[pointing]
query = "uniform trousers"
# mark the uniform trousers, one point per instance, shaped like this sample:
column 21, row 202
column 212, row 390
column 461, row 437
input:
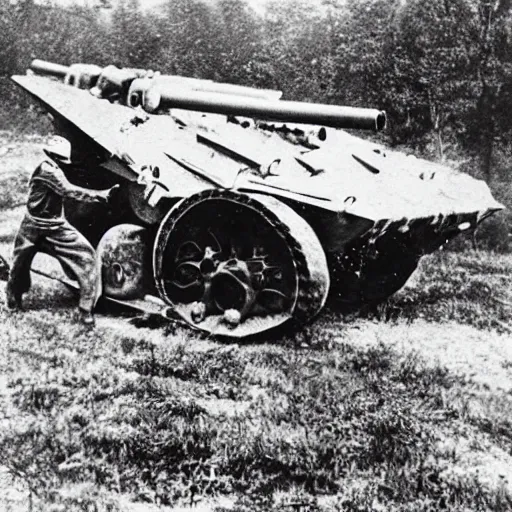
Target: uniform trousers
column 57, row 238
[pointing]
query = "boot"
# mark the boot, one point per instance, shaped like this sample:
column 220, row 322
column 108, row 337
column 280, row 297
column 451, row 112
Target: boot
column 13, row 300
column 85, row 317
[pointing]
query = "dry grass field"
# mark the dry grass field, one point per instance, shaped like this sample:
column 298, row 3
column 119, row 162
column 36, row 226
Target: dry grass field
column 409, row 409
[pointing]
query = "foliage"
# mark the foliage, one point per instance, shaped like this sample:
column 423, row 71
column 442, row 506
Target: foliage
column 433, row 66
column 440, row 69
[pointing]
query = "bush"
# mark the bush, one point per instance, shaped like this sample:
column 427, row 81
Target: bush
column 19, row 113
column 493, row 234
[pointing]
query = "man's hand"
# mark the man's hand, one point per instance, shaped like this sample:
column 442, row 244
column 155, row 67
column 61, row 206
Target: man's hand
column 113, row 194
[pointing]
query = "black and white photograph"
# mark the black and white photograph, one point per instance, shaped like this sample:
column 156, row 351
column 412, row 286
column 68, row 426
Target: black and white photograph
column 255, row 255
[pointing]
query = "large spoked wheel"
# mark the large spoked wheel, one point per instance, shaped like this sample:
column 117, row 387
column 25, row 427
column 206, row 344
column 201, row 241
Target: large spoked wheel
column 237, row 265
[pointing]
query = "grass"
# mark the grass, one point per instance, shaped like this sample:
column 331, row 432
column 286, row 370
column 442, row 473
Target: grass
column 405, row 409
column 174, row 419
column 472, row 288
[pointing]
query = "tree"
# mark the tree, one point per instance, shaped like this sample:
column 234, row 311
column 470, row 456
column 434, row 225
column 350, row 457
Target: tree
column 190, row 43
column 298, row 52
column 434, row 66
column 238, row 33
column 491, row 62
column 134, row 37
column 370, row 61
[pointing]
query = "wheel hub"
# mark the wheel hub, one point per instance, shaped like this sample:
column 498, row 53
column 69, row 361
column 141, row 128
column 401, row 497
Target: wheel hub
column 229, row 286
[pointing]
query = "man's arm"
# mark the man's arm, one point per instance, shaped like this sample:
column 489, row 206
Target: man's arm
column 53, row 177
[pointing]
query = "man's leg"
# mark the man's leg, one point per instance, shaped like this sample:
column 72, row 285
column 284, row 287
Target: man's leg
column 78, row 258
column 19, row 275
column 4, row 269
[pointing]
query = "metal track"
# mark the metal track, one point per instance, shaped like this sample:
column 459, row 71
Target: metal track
column 307, row 254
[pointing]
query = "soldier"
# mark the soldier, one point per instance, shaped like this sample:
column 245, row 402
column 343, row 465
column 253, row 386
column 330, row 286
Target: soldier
column 45, row 229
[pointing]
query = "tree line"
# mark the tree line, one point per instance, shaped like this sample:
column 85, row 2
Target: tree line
column 441, row 69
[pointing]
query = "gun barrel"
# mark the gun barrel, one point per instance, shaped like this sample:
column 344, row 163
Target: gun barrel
column 49, row 68
column 272, row 110
column 220, row 98
column 204, row 85
column 238, row 90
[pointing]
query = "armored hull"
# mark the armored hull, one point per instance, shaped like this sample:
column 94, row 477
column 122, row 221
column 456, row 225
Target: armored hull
column 240, row 211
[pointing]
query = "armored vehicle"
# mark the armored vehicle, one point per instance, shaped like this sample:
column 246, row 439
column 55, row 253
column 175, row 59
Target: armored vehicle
column 240, row 211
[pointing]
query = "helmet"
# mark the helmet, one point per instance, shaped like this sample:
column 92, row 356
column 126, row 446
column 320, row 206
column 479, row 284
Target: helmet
column 59, row 148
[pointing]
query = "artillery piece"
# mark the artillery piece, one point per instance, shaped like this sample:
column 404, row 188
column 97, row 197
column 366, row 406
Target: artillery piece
column 241, row 211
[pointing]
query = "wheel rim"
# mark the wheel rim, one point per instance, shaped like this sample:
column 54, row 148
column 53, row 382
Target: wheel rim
column 233, row 260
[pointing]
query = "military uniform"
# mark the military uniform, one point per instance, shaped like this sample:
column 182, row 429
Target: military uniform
column 44, row 229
